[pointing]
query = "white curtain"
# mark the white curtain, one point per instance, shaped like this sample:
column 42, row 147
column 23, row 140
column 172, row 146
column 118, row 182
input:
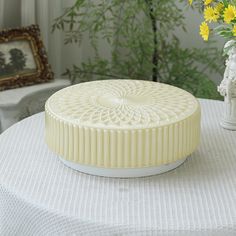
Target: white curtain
column 1, row 14
column 28, row 15
column 43, row 12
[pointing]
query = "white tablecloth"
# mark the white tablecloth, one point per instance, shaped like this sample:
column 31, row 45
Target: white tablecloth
column 41, row 196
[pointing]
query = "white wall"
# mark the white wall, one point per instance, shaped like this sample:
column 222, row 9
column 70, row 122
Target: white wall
column 71, row 54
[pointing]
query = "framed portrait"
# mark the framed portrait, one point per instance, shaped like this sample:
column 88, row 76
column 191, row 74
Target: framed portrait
column 23, row 58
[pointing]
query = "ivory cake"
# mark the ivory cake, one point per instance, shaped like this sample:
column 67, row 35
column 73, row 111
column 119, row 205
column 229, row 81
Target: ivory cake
column 122, row 128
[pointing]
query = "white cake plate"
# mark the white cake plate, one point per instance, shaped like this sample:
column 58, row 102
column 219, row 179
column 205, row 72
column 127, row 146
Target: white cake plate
column 123, row 172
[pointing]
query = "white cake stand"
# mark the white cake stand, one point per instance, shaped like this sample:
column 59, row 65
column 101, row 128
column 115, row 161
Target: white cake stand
column 123, row 172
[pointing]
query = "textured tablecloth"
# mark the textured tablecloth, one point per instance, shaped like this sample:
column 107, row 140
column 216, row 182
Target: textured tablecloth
column 41, row 196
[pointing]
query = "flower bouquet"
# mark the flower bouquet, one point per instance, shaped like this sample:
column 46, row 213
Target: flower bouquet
column 220, row 19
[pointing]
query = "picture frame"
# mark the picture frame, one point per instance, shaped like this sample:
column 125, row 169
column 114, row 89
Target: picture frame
column 23, row 58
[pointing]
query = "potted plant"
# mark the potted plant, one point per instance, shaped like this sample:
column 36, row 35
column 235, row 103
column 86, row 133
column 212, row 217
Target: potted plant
column 140, row 36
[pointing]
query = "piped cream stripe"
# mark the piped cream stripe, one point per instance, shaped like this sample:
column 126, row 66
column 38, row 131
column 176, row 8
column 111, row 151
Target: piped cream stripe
column 123, row 148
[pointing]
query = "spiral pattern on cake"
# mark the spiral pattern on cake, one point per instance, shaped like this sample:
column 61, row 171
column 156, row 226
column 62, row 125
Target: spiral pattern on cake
column 122, row 104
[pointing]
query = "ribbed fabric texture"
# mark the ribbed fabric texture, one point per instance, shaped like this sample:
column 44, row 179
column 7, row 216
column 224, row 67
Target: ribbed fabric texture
column 41, row 196
column 123, row 148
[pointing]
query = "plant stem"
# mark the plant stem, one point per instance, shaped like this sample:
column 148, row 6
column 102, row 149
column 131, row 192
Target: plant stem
column 155, row 43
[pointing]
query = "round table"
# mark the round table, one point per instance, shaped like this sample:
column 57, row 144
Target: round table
column 41, row 196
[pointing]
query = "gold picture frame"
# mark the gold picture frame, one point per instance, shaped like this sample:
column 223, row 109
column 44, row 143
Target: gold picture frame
column 23, row 58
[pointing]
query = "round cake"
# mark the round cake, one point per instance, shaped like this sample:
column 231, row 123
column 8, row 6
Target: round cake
column 122, row 128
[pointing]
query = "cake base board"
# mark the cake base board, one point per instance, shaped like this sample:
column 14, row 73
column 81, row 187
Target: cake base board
column 123, row 172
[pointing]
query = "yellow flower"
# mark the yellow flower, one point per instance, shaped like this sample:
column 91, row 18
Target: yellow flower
column 229, row 13
column 190, row 2
column 234, row 30
column 211, row 14
column 204, row 31
column 219, row 7
column 207, row 2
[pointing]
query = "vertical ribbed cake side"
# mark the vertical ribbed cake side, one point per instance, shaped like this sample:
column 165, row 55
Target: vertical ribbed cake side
column 123, row 148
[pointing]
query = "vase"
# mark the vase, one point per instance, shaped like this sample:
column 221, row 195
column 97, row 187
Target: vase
column 228, row 120
column 227, row 87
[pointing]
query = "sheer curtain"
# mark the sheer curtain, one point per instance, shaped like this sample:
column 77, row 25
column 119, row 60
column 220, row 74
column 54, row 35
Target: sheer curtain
column 14, row 13
column 43, row 12
column 1, row 14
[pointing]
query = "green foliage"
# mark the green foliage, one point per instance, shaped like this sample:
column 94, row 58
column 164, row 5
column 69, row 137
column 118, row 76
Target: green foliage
column 143, row 45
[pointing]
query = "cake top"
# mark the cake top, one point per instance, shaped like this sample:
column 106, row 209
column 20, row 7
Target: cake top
column 122, row 104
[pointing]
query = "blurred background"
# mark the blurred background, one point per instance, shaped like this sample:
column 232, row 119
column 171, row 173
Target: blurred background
column 15, row 13
column 188, row 62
